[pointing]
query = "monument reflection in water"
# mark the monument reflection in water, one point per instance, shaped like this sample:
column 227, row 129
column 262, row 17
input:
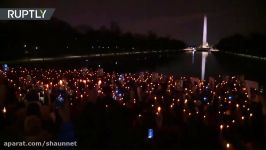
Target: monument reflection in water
column 203, row 64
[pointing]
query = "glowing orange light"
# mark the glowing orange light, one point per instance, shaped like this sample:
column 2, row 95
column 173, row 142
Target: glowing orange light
column 227, row 145
column 60, row 82
column 4, row 110
column 99, row 82
column 221, row 127
column 159, row 109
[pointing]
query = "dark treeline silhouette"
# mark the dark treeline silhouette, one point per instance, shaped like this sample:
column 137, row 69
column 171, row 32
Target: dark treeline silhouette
column 25, row 39
column 253, row 44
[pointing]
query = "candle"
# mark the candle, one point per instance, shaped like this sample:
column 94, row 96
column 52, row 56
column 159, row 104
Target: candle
column 221, row 127
column 227, row 145
column 237, row 105
column 4, row 110
column 159, row 109
column 99, row 82
column 60, row 82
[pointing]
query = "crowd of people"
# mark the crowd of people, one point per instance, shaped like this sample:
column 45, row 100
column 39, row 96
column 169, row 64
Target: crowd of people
column 109, row 110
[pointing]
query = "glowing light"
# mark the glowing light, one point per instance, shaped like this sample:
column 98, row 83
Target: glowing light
column 60, row 82
column 150, row 133
column 4, row 110
column 205, row 98
column 221, row 127
column 159, row 109
column 99, row 82
column 227, row 145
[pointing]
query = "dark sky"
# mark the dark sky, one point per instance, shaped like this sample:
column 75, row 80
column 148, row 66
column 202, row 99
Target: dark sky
column 180, row 19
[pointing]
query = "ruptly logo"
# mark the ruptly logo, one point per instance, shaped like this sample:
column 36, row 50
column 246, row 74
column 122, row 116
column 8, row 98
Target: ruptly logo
column 26, row 13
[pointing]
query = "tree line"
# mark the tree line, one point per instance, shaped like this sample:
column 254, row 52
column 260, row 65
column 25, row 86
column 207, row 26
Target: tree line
column 253, row 44
column 55, row 37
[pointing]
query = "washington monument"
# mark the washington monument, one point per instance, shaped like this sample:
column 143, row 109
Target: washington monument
column 204, row 38
column 204, row 46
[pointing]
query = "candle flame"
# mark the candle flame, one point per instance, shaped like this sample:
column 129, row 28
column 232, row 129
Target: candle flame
column 99, row 82
column 159, row 109
column 4, row 110
column 227, row 145
column 221, row 127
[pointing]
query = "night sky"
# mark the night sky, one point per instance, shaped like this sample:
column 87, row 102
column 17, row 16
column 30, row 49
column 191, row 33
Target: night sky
column 180, row 19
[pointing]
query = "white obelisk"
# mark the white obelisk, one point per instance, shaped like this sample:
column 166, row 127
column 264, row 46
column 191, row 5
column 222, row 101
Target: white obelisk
column 205, row 45
column 204, row 41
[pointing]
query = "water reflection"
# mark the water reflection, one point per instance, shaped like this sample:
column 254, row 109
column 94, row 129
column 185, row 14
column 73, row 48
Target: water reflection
column 193, row 57
column 203, row 64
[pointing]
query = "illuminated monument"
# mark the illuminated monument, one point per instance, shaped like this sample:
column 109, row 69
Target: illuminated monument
column 205, row 46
